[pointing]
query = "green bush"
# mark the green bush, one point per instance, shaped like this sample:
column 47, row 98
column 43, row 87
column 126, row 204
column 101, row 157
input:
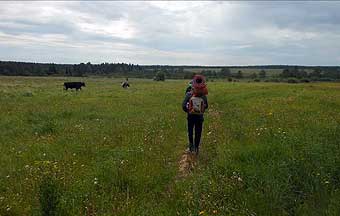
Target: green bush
column 160, row 76
column 292, row 81
column 305, row 80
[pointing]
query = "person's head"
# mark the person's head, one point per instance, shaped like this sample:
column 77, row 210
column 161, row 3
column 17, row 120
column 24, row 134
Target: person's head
column 199, row 85
column 198, row 81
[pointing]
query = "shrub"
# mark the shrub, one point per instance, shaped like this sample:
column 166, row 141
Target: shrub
column 160, row 76
column 257, row 80
column 325, row 79
column 305, row 80
column 274, row 80
column 292, row 81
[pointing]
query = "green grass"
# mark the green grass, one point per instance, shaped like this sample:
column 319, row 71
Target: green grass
column 267, row 149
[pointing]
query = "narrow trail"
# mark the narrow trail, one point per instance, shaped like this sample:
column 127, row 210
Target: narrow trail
column 186, row 164
column 189, row 161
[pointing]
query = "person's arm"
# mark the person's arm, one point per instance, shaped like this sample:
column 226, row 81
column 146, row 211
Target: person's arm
column 185, row 101
column 205, row 102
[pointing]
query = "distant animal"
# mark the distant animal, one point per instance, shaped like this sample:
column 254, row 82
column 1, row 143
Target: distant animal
column 126, row 84
column 72, row 85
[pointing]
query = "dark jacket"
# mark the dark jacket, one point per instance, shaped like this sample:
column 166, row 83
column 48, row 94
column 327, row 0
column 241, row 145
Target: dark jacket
column 186, row 100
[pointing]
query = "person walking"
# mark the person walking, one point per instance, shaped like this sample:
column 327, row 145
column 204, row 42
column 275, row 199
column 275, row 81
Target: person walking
column 194, row 104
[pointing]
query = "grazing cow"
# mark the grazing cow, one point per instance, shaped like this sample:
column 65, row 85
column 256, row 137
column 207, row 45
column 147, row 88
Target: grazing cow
column 71, row 85
column 126, row 83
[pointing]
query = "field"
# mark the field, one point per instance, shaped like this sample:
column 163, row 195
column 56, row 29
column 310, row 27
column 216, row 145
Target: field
column 267, row 149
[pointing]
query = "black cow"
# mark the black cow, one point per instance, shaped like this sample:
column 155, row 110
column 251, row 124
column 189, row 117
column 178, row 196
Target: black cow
column 71, row 85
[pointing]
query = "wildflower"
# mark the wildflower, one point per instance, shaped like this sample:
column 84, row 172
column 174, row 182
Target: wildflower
column 8, row 176
column 326, row 182
column 201, row 212
column 215, row 211
column 209, row 133
column 8, row 208
column 44, row 154
column 74, row 154
column 104, row 138
column 82, row 165
column 27, row 166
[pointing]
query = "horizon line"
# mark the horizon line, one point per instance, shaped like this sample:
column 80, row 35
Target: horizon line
column 169, row 65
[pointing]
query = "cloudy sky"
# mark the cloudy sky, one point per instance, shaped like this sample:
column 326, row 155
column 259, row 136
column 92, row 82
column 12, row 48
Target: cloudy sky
column 175, row 33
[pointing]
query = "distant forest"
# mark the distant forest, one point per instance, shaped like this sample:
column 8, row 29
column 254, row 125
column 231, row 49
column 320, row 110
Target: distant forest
column 10, row 68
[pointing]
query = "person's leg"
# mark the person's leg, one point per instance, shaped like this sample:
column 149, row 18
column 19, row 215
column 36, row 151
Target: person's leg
column 198, row 133
column 190, row 132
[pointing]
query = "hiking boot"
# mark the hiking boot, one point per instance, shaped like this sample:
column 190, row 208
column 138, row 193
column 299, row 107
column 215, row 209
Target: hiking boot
column 196, row 151
column 191, row 148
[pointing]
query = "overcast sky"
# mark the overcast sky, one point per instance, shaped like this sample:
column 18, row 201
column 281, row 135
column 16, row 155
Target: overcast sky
column 175, row 33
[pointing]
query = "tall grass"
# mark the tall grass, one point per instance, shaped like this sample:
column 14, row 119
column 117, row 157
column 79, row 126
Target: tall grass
column 267, row 149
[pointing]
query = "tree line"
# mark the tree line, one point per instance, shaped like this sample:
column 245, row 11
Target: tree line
column 11, row 68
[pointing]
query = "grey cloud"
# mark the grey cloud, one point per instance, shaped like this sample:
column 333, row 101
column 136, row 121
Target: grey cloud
column 211, row 33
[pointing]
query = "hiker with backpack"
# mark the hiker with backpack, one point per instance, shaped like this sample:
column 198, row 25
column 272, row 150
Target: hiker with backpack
column 194, row 104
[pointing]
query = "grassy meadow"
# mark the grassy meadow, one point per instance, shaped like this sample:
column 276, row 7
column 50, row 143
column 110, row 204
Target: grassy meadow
column 267, row 149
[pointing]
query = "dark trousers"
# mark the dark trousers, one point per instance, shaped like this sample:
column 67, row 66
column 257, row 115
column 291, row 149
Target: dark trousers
column 195, row 122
